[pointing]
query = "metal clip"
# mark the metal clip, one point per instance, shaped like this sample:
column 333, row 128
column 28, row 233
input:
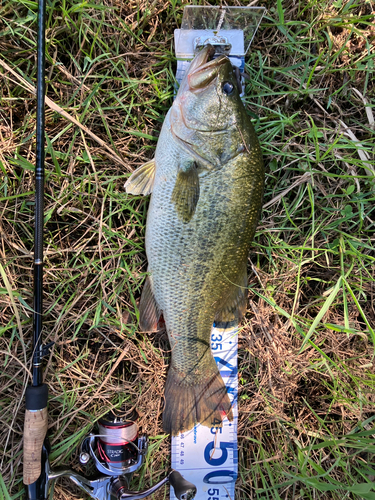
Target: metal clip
column 220, row 43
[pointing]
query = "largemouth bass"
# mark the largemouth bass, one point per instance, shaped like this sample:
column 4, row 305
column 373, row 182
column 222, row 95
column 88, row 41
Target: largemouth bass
column 207, row 181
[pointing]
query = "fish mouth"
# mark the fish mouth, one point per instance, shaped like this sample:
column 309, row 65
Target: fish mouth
column 205, row 68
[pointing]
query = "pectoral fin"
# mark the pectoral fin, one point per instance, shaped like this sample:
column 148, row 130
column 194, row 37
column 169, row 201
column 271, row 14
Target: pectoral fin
column 142, row 180
column 186, row 191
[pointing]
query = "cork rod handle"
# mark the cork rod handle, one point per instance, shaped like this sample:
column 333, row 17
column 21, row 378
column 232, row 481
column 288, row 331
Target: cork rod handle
column 35, row 431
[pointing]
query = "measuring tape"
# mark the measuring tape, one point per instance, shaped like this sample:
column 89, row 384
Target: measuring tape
column 208, row 457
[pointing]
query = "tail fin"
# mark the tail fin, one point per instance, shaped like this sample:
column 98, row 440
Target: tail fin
column 186, row 405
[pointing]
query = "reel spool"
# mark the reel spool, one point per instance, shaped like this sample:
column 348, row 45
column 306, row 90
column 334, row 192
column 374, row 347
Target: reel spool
column 117, row 448
column 117, row 441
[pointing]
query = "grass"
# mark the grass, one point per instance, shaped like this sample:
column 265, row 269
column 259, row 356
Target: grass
column 306, row 359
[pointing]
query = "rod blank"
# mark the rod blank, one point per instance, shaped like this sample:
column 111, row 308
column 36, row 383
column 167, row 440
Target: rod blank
column 35, row 428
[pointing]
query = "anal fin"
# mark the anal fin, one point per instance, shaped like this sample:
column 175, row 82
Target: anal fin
column 149, row 311
column 235, row 305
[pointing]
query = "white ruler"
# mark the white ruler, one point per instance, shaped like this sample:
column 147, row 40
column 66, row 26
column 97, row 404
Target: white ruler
column 208, row 457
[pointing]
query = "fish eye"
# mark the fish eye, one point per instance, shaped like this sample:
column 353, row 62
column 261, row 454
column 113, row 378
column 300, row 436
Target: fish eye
column 228, row 88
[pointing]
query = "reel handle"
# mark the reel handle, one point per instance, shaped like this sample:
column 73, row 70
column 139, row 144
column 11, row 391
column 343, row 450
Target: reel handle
column 184, row 490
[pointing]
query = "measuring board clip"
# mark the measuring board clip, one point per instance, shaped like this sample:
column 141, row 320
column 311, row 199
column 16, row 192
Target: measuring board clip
column 230, row 30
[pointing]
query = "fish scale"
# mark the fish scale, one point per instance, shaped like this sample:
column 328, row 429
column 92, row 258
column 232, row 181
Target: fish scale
column 198, row 239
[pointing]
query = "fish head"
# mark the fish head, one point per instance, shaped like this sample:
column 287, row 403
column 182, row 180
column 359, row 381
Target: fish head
column 208, row 112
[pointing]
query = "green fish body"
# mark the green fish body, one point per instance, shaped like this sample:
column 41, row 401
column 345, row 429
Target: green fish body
column 207, row 182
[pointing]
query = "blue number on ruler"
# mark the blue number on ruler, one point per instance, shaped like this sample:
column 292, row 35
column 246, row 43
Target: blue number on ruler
column 214, row 430
column 228, row 476
column 216, row 341
column 224, row 453
column 213, row 491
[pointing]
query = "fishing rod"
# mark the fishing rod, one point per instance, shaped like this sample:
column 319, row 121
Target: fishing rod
column 117, row 450
column 35, row 429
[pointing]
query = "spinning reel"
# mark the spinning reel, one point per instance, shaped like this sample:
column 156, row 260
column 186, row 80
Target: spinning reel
column 116, row 452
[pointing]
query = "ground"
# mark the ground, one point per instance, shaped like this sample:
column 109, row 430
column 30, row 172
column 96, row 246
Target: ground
column 306, row 355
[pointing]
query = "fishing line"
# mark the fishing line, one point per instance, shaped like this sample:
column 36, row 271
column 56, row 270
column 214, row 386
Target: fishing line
column 221, row 20
column 117, row 442
column 118, row 435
